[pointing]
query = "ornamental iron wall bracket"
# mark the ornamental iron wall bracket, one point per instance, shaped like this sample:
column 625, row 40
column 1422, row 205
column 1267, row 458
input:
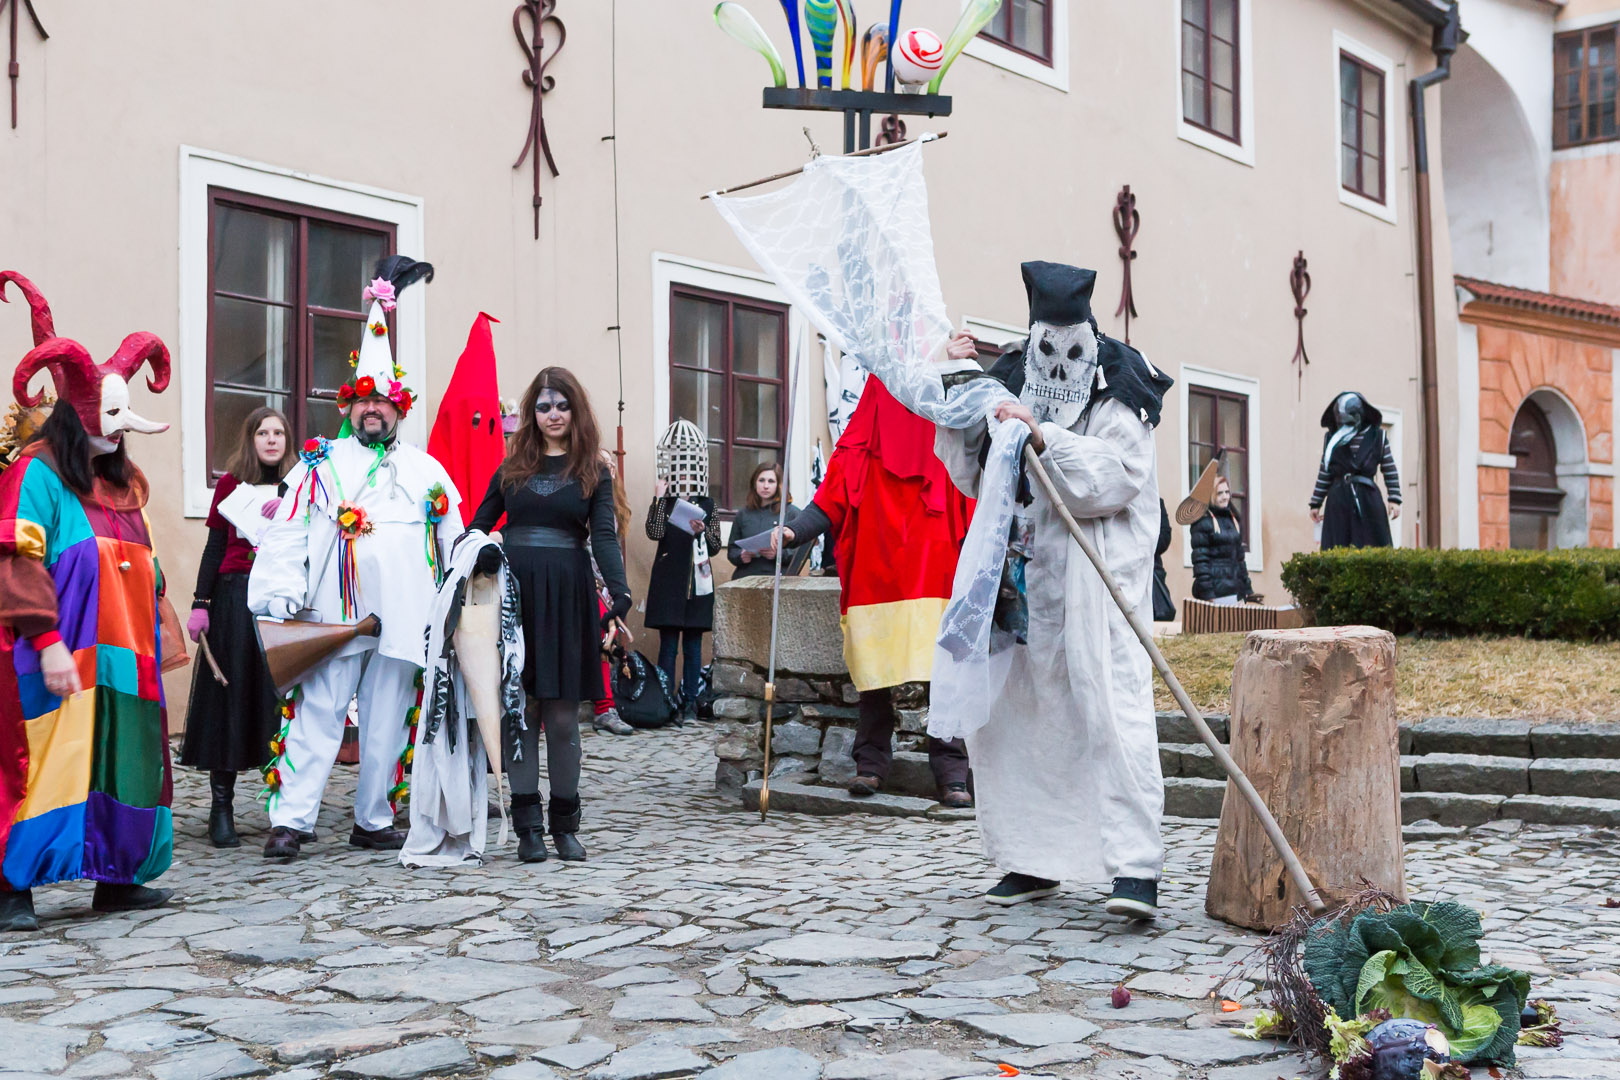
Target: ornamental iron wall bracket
column 13, row 70
column 1127, row 223
column 1299, row 282
column 537, row 145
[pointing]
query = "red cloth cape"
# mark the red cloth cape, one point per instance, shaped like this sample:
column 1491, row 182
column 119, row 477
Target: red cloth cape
column 467, row 438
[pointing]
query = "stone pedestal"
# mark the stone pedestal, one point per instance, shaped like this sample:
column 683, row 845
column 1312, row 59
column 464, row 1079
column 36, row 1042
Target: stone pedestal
column 1313, row 725
column 813, row 727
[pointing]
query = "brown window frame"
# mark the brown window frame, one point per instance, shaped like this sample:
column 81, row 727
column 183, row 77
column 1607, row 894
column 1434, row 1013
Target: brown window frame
column 1581, row 107
column 303, row 360
column 1219, row 447
column 733, row 301
column 999, row 30
column 1360, row 186
column 1208, row 31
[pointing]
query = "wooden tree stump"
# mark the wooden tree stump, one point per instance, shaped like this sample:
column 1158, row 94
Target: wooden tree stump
column 1313, row 726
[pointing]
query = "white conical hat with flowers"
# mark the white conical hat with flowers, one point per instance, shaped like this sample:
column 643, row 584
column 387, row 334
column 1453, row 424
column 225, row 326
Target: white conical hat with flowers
column 375, row 370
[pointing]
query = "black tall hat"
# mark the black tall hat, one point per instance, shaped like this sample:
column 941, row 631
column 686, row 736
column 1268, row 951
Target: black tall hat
column 1059, row 295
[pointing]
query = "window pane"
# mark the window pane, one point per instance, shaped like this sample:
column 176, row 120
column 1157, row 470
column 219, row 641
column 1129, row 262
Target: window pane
column 1348, row 125
column 1347, row 167
column 757, row 343
column 1193, row 11
column 1225, row 19
column 1223, row 105
column 1372, row 93
column 231, row 408
column 1237, row 471
column 253, row 253
column 335, row 339
column 252, row 343
column 1222, row 68
column 756, row 414
column 699, row 398
column 1232, row 433
column 321, row 417
column 744, row 460
column 341, row 262
column 1029, row 26
column 1372, row 134
column 1200, row 419
column 1349, row 81
column 1192, row 51
column 1192, row 99
column 1197, row 458
column 698, row 334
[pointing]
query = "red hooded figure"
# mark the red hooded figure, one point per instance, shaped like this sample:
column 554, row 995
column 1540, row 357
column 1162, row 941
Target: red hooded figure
column 467, row 438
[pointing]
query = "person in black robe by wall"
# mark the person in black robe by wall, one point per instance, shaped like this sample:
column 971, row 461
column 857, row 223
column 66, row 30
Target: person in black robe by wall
column 1346, row 500
column 1164, row 608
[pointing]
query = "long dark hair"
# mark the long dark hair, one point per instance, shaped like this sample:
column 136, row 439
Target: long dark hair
column 753, row 501
column 528, row 446
column 245, row 464
column 64, row 433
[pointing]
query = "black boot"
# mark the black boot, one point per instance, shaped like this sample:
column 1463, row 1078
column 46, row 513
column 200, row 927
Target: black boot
column 564, row 825
column 222, row 816
column 109, row 897
column 531, row 833
column 17, row 912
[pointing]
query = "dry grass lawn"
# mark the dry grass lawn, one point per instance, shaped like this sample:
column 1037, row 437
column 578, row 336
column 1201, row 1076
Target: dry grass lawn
column 1500, row 677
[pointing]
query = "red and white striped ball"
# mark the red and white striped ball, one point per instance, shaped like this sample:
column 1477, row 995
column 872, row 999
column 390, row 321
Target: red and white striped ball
column 918, row 58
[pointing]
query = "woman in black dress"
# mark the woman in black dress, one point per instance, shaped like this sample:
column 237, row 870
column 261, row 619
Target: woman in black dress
column 229, row 728
column 765, row 494
column 557, row 495
column 676, row 608
column 1346, row 500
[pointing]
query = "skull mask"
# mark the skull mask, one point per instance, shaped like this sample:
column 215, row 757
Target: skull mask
column 99, row 393
column 1060, row 358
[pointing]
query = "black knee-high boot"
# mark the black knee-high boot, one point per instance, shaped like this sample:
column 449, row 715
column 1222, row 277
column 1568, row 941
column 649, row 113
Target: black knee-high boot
column 565, row 815
column 222, row 815
column 530, row 828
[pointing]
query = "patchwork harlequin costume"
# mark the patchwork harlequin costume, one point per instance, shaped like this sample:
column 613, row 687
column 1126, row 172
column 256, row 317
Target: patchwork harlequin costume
column 362, row 531
column 85, row 784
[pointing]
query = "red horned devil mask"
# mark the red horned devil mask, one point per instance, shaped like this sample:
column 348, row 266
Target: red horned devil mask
column 99, row 393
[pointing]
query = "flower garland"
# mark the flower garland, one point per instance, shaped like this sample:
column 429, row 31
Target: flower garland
column 438, row 505
column 271, row 770
column 401, row 791
column 366, row 386
column 352, row 524
column 314, row 452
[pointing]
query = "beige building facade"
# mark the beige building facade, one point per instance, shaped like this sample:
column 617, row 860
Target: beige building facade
column 221, row 174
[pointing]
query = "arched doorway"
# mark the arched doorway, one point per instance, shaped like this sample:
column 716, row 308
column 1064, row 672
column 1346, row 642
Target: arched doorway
column 1534, row 497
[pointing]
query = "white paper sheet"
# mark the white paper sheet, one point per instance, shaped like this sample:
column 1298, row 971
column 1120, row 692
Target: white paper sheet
column 244, row 508
column 686, row 514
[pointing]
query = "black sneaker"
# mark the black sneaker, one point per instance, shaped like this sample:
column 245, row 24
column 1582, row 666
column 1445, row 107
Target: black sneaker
column 1017, row 888
column 1135, row 898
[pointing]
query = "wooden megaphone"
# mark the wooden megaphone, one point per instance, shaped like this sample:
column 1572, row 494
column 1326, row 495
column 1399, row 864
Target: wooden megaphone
column 293, row 649
column 1196, row 504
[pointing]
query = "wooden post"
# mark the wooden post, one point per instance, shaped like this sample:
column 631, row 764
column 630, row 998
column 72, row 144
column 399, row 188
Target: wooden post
column 1313, row 725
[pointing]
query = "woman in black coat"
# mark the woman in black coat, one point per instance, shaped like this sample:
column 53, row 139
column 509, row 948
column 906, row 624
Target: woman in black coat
column 765, row 496
column 1346, row 500
column 1219, row 569
column 675, row 607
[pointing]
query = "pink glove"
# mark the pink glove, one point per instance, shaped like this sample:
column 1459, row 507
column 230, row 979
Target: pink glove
column 197, row 624
column 269, row 510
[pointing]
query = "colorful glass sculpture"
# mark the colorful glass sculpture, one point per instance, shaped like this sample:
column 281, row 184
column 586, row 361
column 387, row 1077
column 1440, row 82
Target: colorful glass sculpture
column 974, row 18
column 894, row 36
column 874, row 50
column 821, row 21
column 846, row 16
column 917, row 55
column 735, row 20
column 790, row 9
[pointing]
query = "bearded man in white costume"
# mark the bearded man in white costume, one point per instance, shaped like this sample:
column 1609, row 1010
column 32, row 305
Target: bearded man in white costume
column 362, row 530
column 1066, row 770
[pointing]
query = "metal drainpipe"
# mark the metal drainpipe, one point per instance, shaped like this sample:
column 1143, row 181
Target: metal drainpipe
column 1446, row 39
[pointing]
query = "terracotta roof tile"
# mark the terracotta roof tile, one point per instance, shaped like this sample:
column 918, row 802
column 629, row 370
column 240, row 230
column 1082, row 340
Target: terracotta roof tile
column 1530, row 300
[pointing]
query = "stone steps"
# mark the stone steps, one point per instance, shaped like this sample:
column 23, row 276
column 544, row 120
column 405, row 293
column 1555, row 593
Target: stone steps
column 1197, row 797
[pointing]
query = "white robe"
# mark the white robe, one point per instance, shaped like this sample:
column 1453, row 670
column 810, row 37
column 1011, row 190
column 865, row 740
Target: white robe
column 1066, row 772
column 296, row 568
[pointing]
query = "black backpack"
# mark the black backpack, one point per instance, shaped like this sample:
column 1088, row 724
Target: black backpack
column 641, row 691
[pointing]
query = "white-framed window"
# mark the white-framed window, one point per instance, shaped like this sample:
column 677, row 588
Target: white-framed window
column 203, row 175
column 1364, row 127
column 708, row 334
column 1029, row 39
column 1219, row 409
column 1214, row 87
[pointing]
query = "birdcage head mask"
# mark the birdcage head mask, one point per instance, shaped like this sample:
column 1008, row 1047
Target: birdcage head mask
column 683, row 459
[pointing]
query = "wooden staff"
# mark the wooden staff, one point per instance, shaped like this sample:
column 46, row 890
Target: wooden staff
column 213, row 665
column 1273, row 831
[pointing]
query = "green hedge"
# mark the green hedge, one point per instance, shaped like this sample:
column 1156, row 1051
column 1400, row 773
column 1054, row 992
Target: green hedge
column 1571, row 594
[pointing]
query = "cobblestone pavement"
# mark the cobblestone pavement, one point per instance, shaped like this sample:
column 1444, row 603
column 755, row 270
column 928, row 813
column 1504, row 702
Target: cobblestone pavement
column 698, row 941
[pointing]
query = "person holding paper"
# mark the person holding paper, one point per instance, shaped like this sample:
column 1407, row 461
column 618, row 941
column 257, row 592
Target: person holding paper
column 229, row 725
column 680, row 592
column 766, row 491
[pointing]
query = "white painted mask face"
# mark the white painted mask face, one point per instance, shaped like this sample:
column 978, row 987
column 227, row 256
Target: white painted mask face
column 117, row 417
column 1060, row 372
